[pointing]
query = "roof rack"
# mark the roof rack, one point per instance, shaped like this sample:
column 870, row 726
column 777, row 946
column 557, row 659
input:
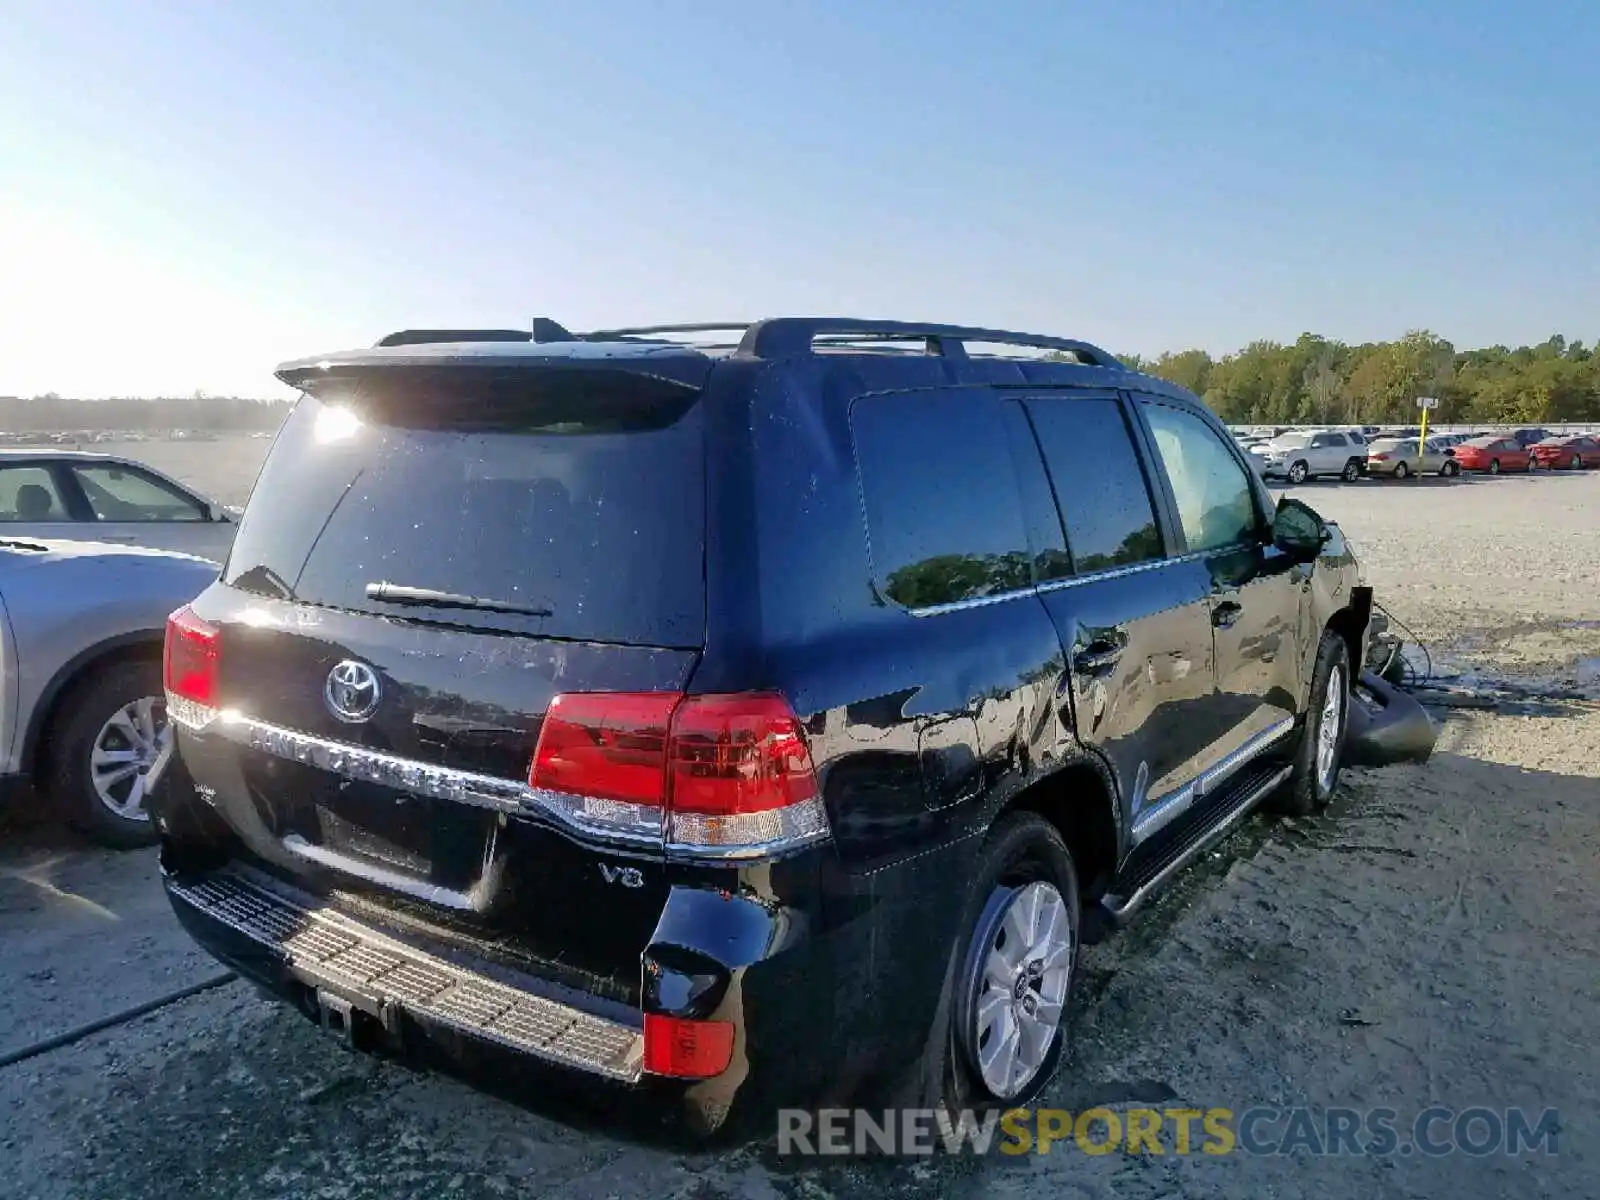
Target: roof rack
column 780, row 337
column 416, row 337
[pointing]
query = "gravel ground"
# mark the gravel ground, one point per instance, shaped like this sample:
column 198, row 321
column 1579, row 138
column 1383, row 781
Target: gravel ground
column 1430, row 940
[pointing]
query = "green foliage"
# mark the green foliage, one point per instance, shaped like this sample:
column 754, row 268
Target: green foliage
column 1316, row 380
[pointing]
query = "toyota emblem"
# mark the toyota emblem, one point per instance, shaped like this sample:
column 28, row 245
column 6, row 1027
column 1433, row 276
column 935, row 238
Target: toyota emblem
column 352, row 691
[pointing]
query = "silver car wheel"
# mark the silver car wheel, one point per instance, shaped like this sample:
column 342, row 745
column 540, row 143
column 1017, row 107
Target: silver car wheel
column 1329, row 726
column 129, row 754
column 1020, row 989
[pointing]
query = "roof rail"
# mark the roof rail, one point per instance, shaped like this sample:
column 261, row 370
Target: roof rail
column 416, row 337
column 781, row 336
column 778, row 337
column 602, row 335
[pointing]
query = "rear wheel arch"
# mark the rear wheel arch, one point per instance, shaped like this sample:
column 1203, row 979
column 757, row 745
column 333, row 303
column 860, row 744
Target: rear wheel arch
column 142, row 646
column 1079, row 800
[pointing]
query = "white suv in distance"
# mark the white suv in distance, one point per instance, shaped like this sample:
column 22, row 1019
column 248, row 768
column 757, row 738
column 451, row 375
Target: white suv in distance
column 1303, row 454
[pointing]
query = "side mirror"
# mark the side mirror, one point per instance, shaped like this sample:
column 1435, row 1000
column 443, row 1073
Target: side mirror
column 1298, row 531
column 216, row 512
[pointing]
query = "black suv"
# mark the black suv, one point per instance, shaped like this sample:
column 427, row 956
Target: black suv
column 736, row 725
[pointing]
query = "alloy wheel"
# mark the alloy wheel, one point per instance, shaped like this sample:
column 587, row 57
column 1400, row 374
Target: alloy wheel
column 1023, row 968
column 1330, row 724
column 128, row 756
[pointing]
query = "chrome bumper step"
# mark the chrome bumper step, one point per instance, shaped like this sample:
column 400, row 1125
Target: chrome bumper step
column 327, row 950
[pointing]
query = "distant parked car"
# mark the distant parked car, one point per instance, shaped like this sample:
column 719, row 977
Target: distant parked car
column 1400, row 459
column 82, row 715
column 1575, row 451
column 78, row 494
column 1528, row 437
column 1307, row 453
column 1494, row 454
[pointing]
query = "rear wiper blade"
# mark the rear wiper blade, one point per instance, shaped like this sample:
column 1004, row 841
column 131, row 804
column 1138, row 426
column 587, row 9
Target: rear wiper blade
column 399, row 593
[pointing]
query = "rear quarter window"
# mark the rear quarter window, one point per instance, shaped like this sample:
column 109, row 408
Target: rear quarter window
column 939, row 486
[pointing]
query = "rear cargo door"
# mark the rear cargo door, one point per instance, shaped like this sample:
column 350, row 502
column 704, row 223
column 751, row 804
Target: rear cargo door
column 427, row 560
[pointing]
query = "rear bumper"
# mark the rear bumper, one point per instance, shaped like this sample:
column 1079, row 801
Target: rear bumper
column 388, row 991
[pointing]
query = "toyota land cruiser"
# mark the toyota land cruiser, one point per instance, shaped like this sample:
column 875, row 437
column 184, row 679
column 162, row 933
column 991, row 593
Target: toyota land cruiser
column 739, row 724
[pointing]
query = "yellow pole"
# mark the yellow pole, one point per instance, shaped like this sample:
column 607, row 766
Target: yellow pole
column 1422, row 440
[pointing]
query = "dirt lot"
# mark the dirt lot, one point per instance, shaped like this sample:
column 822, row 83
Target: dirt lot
column 1431, row 940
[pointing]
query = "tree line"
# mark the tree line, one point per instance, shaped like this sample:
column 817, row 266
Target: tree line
column 1318, row 380
column 51, row 413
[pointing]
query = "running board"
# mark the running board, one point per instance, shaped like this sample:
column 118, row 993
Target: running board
column 351, row 966
column 1152, row 866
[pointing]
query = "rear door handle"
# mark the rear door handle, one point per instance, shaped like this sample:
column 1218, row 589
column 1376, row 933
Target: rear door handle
column 1097, row 656
column 1225, row 614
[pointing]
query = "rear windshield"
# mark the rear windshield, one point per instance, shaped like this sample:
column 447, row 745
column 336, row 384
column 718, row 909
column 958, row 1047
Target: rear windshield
column 576, row 494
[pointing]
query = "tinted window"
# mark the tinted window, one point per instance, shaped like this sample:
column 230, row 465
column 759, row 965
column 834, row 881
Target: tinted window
column 1215, row 497
column 1099, row 484
column 120, row 494
column 944, row 520
column 29, row 493
column 581, row 495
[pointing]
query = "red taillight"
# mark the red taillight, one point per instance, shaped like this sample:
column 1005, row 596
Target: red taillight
column 610, row 745
column 1379, row 457
column 737, row 754
column 189, row 667
column 686, row 1049
column 728, row 773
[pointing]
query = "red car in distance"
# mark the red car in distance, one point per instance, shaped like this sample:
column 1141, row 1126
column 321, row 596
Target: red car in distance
column 1576, row 451
column 1493, row 454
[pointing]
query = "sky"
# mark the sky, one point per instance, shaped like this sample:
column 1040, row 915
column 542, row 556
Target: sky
column 191, row 194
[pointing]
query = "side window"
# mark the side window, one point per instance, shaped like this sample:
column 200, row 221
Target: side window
column 122, row 494
column 944, row 519
column 1337, row 439
column 1099, row 483
column 1214, row 495
column 29, row 493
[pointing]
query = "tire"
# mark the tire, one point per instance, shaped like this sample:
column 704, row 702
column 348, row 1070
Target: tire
column 1023, row 855
column 111, row 711
column 1401, row 471
column 1298, row 472
column 1311, row 785
column 1532, row 462
column 1577, row 462
column 1351, row 472
column 1494, row 466
column 1450, row 469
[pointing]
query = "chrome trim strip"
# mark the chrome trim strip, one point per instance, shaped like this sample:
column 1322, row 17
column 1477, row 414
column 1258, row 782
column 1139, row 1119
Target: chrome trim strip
column 1139, row 568
column 1158, row 815
column 933, row 610
column 1119, row 907
column 612, row 823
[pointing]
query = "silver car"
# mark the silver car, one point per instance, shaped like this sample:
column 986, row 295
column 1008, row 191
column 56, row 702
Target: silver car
column 82, row 717
column 77, row 494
